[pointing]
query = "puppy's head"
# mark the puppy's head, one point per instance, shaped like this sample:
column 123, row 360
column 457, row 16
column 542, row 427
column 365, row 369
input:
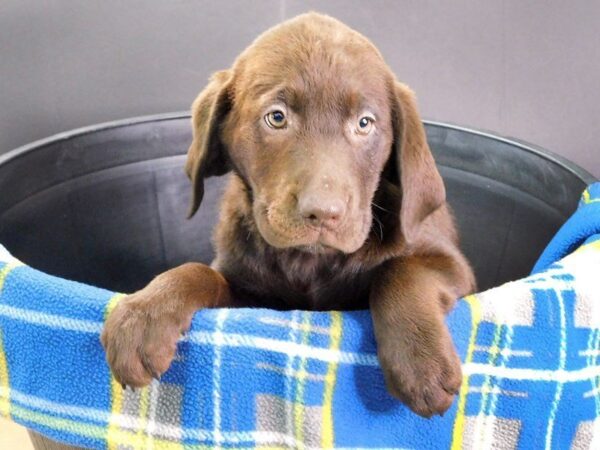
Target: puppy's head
column 310, row 117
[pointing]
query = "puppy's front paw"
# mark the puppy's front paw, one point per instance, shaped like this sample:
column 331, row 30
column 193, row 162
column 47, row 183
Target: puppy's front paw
column 425, row 377
column 140, row 337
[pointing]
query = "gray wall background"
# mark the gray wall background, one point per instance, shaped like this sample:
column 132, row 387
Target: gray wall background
column 529, row 70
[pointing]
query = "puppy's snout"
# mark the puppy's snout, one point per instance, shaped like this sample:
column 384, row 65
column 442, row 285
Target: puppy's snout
column 321, row 209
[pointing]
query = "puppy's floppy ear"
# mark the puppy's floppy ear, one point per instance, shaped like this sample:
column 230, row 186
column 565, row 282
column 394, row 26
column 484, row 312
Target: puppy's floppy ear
column 207, row 155
column 421, row 184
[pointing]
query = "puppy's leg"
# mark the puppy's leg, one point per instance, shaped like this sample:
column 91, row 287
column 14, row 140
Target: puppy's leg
column 140, row 335
column 409, row 298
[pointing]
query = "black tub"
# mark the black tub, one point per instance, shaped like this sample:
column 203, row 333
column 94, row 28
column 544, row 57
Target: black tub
column 106, row 205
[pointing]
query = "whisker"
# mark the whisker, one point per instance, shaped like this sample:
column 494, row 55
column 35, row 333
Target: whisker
column 380, row 207
column 380, row 227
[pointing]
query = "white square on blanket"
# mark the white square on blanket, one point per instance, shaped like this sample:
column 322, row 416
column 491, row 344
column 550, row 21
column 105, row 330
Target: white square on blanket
column 6, row 257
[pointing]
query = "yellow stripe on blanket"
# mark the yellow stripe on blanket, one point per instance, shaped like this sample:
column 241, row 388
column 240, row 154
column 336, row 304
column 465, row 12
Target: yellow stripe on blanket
column 4, row 384
column 4, row 387
column 587, row 198
column 115, row 389
column 595, row 245
column 459, row 423
column 300, row 387
column 330, row 379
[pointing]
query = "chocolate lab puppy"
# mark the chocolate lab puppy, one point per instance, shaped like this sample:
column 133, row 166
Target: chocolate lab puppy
column 334, row 202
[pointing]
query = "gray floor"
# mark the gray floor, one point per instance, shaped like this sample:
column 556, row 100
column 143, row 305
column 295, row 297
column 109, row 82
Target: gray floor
column 530, row 70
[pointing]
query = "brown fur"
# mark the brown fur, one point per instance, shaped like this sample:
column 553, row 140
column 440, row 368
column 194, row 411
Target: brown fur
column 317, row 214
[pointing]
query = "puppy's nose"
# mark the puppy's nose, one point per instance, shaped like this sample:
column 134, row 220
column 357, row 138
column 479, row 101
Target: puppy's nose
column 320, row 210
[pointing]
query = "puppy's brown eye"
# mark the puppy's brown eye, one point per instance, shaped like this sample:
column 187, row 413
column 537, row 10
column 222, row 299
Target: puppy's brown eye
column 365, row 124
column 276, row 119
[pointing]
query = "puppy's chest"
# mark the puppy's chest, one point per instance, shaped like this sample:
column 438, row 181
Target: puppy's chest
column 325, row 285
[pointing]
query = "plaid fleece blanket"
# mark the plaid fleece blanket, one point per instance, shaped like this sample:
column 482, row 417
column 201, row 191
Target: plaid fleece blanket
column 253, row 378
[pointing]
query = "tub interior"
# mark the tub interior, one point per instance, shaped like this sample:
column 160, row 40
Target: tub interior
column 107, row 205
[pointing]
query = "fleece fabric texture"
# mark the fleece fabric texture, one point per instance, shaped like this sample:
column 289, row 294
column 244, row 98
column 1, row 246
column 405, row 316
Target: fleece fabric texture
column 251, row 378
column 585, row 223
